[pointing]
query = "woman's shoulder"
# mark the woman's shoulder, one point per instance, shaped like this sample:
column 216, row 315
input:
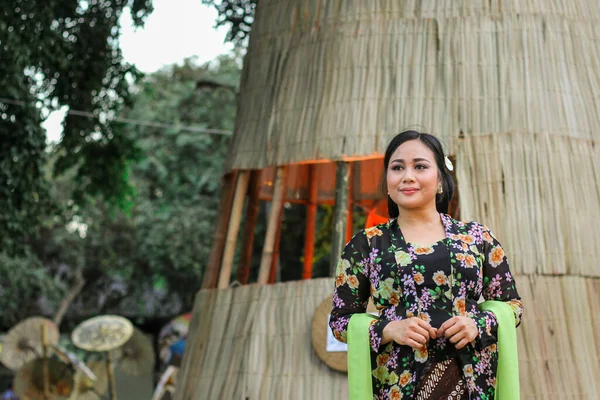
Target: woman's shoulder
column 468, row 225
column 366, row 234
column 474, row 231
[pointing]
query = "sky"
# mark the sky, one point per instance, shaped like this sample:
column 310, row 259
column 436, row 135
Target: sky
column 175, row 30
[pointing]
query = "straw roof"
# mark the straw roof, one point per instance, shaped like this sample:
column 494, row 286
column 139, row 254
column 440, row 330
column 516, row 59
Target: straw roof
column 336, row 79
column 255, row 342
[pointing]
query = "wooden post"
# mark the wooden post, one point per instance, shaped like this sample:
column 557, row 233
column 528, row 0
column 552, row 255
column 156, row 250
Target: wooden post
column 233, row 229
column 349, row 222
column 211, row 273
column 311, row 222
column 111, row 377
column 272, row 225
column 275, row 261
column 46, row 371
column 249, row 226
column 340, row 214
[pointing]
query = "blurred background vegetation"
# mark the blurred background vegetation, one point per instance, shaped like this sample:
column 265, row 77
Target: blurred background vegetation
column 117, row 216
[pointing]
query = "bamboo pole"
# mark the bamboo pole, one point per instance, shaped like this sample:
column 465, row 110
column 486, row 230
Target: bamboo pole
column 270, row 237
column 311, row 222
column 233, row 229
column 110, row 373
column 349, row 222
column 249, row 226
column 218, row 243
column 340, row 213
column 275, row 261
column 46, row 371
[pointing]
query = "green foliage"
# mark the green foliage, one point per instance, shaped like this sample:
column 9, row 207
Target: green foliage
column 23, row 189
column 324, row 233
column 323, row 241
column 179, row 180
column 238, row 14
column 291, row 247
column 149, row 260
column 61, row 53
column 25, row 282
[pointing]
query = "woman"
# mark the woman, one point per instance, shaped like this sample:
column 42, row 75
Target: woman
column 425, row 273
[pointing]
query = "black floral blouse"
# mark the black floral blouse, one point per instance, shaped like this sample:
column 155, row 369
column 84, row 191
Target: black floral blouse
column 434, row 283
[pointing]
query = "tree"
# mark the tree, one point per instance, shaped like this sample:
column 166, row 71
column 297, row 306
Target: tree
column 179, row 180
column 61, row 53
column 238, row 14
column 147, row 261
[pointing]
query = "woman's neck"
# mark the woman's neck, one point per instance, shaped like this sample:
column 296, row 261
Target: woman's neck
column 421, row 226
column 419, row 217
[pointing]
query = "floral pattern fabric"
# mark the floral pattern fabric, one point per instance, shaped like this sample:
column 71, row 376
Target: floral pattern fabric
column 433, row 283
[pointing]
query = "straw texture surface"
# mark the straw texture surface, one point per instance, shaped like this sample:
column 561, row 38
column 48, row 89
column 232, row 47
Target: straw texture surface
column 337, row 79
column 255, row 342
column 540, row 194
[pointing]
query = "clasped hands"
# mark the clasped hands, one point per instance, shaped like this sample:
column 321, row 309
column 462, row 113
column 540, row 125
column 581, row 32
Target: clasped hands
column 415, row 332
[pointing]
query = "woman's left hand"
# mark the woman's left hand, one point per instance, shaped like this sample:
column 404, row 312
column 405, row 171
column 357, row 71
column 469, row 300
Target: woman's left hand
column 459, row 330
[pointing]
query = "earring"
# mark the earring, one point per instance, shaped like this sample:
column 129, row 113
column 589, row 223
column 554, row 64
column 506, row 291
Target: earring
column 440, row 189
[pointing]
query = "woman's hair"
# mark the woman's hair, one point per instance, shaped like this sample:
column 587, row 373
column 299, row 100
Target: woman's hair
column 442, row 201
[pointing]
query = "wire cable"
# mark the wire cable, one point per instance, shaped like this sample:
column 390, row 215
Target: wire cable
column 152, row 124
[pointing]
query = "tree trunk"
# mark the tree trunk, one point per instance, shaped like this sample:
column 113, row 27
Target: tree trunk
column 68, row 299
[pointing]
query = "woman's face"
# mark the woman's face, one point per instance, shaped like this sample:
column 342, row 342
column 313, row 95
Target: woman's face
column 412, row 176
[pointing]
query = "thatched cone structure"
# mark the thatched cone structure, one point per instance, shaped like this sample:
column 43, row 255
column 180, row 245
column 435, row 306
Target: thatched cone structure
column 512, row 87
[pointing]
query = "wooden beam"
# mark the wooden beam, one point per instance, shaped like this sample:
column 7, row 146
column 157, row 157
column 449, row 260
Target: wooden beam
column 275, row 262
column 272, row 226
column 311, row 222
column 211, row 274
column 249, row 227
column 110, row 372
column 340, row 214
column 233, row 229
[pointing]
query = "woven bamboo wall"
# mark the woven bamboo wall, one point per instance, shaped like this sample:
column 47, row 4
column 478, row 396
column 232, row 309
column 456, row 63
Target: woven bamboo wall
column 540, row 194
column 336, row 79
column 254, row 342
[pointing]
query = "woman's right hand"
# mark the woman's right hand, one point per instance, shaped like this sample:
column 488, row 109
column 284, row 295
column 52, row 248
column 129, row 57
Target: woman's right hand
column 413, row 332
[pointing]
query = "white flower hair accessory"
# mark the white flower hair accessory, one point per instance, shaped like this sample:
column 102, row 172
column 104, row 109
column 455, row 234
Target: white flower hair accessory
column 448, row 164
